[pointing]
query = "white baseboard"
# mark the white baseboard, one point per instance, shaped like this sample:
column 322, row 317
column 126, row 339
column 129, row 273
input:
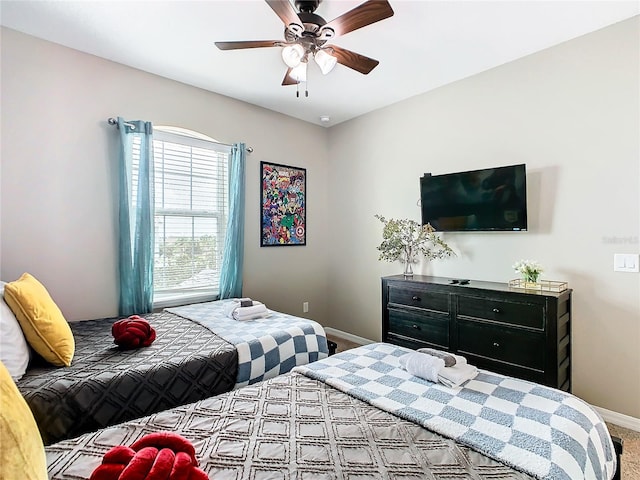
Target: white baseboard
column 626, row 421
column 348, row 336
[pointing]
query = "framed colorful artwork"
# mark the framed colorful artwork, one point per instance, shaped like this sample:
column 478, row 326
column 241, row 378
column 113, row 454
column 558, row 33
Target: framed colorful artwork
column 283, row 205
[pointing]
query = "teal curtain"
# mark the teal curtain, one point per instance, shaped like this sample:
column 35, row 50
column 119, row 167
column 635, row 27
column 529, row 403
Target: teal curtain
column 136, row 218
column 231, row 273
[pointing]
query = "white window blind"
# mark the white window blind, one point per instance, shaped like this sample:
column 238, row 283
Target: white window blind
column 190, row 216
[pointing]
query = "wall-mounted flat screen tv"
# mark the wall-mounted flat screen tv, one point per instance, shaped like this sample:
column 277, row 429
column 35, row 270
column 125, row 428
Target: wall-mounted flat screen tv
column 491, row 199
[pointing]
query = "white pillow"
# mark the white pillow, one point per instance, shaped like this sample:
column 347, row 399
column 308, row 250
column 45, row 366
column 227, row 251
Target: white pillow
column 14, row 350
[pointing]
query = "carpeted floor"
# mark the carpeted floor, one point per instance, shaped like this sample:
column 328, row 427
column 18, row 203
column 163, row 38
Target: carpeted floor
column 631, row 438
column 630, row 451
column 342, row 343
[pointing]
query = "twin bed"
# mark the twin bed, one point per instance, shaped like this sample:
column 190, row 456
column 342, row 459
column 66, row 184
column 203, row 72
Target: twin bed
column 301, row 414
column 358, row 415
column 194, row 356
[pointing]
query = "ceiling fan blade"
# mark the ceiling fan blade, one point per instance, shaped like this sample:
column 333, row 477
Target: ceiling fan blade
column 353, row 60
column 369, row 12
column 288, row 80
column 285, row 11
column 249, row 44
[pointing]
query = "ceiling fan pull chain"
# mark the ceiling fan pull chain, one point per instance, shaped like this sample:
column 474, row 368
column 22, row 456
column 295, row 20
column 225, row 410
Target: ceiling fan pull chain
column 297, row 89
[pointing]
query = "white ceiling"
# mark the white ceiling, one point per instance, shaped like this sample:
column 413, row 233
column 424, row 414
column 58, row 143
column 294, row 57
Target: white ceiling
column 426, row 44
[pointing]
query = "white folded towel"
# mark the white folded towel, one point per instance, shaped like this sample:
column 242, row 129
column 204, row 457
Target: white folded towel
column 458, row 374
column 230, row 306
column 422, row 365
column 234, row 310
column 426, row 366
column 460, row 360
column 449, row 358
column 249, row 313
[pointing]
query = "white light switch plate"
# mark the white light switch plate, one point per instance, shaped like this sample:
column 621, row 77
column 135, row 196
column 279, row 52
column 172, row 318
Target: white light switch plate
column 625, row 262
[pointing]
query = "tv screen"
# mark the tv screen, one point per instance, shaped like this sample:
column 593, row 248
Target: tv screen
column 493, row 199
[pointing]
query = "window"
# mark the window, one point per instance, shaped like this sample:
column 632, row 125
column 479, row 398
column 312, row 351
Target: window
column 191, row 210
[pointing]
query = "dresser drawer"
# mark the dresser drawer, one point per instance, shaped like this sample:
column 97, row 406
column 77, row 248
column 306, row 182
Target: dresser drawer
column 511, row 345
column 427, row 327
column 411, row 343
column 418, row 298
column 514, row 313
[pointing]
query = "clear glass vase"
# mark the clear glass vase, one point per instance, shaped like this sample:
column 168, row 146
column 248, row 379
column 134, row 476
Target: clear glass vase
column 409, row 258
column 408, row 269
column 530, row 281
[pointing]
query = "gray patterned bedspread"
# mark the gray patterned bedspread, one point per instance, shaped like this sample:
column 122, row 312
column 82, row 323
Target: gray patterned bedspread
column 290, row 427
column 105, row 385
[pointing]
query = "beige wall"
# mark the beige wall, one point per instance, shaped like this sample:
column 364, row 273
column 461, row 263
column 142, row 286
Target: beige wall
column 572, row 114
column 58, row 175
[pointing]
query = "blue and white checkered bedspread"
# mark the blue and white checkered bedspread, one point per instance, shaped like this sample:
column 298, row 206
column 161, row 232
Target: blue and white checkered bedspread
column 267, row 347
column 541, row 431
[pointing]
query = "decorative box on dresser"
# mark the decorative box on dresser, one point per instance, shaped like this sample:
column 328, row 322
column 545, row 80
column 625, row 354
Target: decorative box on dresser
column 516, row 332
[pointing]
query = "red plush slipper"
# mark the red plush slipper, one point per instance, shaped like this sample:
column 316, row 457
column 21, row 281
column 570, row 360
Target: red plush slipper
column 157, row 456
column 133, row 332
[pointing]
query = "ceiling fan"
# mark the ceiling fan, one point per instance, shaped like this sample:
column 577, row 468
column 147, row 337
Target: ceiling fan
column 306, row 35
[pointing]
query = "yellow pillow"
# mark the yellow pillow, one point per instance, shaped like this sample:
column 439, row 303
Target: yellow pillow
column 22, row 453
column 41, row 320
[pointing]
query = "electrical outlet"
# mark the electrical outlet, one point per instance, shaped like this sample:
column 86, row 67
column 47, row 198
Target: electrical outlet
column 305, row 307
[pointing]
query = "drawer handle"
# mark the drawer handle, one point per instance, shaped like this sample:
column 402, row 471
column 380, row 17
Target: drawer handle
column 417, row 327
column 496, row 310
column 415, row 298
column 496, row 344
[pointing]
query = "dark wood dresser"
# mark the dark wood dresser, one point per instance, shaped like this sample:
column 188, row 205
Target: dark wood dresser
column 521, row 333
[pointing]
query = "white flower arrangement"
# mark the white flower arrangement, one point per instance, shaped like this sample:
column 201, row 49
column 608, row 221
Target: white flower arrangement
column 529, row 269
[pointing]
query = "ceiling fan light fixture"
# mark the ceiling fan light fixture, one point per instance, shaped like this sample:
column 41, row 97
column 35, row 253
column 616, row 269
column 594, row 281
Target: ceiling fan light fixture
column 325, row 61
column 292, row 55
column 299, row 73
